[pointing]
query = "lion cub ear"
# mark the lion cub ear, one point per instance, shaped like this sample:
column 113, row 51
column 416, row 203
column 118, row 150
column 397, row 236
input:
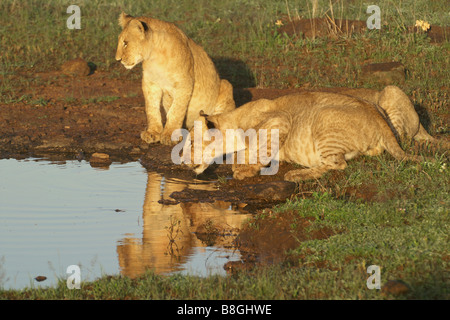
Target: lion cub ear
column 139, row 26
column 203, row 118
column 210, row 121
column 124, row 19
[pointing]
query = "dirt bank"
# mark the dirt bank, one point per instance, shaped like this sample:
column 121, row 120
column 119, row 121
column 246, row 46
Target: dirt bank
column 73, row 117
column 332, row 28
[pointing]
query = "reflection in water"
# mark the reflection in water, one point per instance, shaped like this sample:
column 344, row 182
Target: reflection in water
column 57, row 214
column 168, row 236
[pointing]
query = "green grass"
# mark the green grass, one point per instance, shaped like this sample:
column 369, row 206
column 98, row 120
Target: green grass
column 404, row 229
column 243, row 30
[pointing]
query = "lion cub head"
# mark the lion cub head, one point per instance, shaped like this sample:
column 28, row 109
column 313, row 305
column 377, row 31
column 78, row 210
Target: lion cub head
column 205, row 144
column 133, row 41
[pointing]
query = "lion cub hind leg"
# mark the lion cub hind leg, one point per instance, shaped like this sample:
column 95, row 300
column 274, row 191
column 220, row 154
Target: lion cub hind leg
column 403, row 117
column 331, row 162
column 400, row 112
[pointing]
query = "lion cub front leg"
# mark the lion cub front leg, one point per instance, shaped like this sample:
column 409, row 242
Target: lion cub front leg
column 176, row 114
column 267, row 149
column 152, row 95
column 246, row 169
column 242, row 171
column 330, row 162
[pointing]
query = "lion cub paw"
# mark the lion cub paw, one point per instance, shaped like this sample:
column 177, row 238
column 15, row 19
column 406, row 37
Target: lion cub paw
column 241, row 172
column 299, row 175
column 166, row 138
column 150, row 137
column 290, row 176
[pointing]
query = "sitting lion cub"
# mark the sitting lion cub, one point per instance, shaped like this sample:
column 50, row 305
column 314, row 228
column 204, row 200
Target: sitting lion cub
column 318, row 130
column 177, row 73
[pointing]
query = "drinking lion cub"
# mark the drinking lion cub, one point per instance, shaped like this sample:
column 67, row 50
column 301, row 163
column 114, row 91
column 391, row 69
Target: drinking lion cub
column 318, row 130
column 176, row 72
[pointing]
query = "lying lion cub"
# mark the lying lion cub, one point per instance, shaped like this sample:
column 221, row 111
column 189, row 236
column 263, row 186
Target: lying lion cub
column 176, row 72
column 320, row 130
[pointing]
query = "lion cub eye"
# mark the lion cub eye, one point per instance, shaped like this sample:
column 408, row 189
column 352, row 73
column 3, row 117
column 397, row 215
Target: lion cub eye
column 125, row 44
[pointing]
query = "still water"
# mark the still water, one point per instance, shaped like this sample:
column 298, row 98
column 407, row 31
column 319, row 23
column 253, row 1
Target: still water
column 107, row 221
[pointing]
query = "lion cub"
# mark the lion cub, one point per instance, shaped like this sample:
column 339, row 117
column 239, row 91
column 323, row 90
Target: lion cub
column 318, row 130
column 178, row 76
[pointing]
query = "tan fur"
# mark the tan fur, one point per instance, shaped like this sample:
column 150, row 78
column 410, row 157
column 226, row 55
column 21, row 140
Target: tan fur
column 398, row 111
column 177, row 75
column 322, row 130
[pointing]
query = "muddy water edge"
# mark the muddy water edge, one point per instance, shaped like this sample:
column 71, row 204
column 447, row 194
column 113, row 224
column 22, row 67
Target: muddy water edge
column 182, row 218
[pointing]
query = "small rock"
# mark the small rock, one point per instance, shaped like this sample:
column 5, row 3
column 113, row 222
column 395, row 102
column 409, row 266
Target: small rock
column 76, row 68
column 395, row 287
column 276, row 190
column 100, row 160
column 40, row 278
column 384, row 73
column 100, row 156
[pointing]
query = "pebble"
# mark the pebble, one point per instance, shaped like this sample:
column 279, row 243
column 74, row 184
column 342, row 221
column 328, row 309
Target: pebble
column 40, row 278
column 100, row 159
column 76, row 68
column 276, row 190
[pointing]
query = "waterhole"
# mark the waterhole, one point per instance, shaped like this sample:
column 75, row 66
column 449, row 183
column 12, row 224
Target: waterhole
column 108, row 221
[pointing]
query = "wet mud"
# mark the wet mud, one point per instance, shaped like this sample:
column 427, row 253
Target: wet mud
column 268, row 240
